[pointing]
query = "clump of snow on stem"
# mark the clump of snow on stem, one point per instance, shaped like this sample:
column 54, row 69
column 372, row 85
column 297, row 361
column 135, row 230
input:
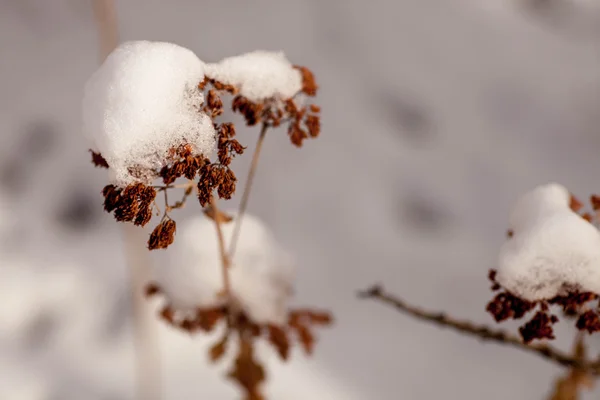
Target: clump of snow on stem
column 258, row 75
column 142, row 101
column 552, row 249
column 261, row 272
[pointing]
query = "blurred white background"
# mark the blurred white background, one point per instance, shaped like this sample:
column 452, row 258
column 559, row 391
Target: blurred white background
column 436, row 115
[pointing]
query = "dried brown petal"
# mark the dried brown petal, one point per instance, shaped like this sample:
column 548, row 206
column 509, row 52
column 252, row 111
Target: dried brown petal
column 309, row 85
column 163, row 235
column 595, row 200
column 98, row 160
column 278, row 338
column 575, row 204
column 313, row 124
column 505, row 306
column 247, row 372
column 589, row 321
column 540, row 327
column 111, row 197
column 217, row 351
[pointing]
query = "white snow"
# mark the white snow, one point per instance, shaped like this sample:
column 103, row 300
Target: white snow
column 261, row 273
column 552, row 247
column 258, row 75
column 142, row 101
column 58, row 292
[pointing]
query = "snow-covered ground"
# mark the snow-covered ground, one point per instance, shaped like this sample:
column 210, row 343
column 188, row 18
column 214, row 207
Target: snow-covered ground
column 437, row 114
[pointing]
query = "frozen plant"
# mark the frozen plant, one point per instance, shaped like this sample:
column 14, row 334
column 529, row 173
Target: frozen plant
column 142, row 102
column 550, row 260
column 153, row 111
column 260, row 279
column 260, row 285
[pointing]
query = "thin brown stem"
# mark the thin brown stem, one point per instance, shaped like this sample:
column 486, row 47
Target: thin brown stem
column 105, row 13
column 224, row 257
column 246, row 195
column 482, row 332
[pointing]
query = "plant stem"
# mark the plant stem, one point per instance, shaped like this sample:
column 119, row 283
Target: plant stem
column 146, row 350
column 482, row 332
column 247, row 190
column 225, row 260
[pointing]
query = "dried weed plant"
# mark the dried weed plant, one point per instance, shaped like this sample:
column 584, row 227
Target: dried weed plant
column 581, row 308
column 210, row 180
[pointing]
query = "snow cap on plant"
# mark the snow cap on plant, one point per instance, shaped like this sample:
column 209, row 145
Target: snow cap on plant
column 551, row 258
column 259, row 75
column 142, row 102
column 261, row 272
column 552, row 248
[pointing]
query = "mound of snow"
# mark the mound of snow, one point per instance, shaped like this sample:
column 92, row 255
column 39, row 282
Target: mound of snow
column 261, row 274
column 142, row 101
column 552, row 249
column 258, row 75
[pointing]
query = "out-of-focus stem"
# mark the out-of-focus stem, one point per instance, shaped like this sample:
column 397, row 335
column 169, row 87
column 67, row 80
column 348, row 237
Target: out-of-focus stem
column 146, row 349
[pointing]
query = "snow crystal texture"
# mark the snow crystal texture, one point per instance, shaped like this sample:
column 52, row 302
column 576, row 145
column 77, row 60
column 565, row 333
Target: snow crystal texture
column 261, row 274
column 552, row 248
column 259, row 75
column 142, row 101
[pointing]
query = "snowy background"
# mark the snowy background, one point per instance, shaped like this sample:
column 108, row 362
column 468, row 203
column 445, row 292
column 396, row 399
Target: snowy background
column 436, row 115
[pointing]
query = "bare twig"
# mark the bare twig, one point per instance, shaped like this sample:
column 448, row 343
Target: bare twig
column 105, row 13
column 147, row 366
column 224, row 256
column 246, row 195
column 482, row 332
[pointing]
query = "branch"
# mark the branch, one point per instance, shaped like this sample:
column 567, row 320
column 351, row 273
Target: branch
column 247, row 190
column 480, row 331
column 225, row 260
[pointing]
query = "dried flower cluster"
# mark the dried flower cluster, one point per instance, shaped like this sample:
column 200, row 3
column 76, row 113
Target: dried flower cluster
column 247, row 371
column 581, row 305
column 134, row 203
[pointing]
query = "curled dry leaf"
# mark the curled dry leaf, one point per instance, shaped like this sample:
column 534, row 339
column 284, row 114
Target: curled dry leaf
column 279, row 339
column 217, row 351
column 247, row 372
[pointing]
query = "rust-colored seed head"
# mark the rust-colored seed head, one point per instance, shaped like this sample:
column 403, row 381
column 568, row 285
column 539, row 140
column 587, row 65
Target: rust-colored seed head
column 309, row 85
column 313, row 124
column 297, row 134
column 214, row 103
column 575, row 204
column 143, row 216
column 204, row 82
column 540, row 327
column 573, row 302
column 98, row 160
column 595, row 200
column 111, row 197
column 589, row 321
column 163, row 235
column 505, row 306
column 314, row 108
